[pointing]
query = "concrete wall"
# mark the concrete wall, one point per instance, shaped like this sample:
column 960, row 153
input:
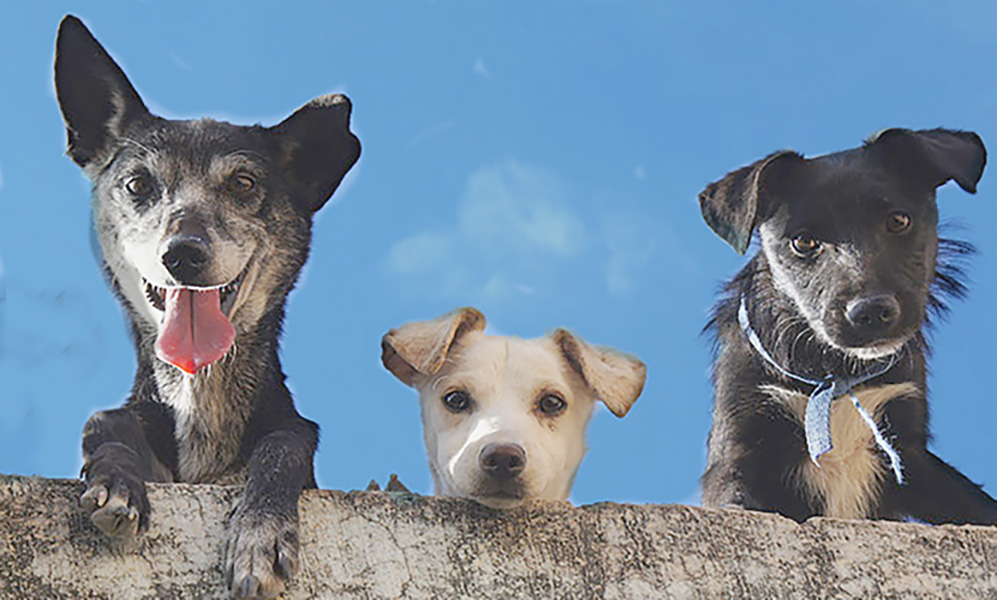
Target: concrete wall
column 390, row 545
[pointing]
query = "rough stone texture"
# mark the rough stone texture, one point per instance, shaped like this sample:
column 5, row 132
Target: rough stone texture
column 391, row 545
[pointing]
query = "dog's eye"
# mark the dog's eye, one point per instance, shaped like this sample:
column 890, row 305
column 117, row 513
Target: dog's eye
column 551, row 405
column 457, row 401
column 139, row 185
column 898, row 222
column 241, row 183
column 805, row 245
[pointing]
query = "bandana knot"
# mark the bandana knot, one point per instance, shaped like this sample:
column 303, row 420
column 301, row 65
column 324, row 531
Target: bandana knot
column 817, row 420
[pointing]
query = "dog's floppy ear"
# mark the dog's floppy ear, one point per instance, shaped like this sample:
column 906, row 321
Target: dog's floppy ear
column 96, row 98
column 731, row 206
column 615, row 378
column 420, row 349
column 317, row 148
column 936, row 154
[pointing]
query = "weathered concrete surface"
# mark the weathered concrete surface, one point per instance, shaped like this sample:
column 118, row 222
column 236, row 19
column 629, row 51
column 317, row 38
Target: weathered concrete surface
column 380, row 545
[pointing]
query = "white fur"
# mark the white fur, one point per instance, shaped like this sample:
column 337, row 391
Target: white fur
column 782, row 281
column 506, row 377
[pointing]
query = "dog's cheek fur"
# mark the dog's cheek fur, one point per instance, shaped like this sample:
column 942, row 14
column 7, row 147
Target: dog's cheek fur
column 452, row 454
column 561, row 446
column 282, row 251
column 791, row 277
column 123, row 232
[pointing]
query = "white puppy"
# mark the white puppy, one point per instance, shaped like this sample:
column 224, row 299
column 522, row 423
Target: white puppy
column 504, row 418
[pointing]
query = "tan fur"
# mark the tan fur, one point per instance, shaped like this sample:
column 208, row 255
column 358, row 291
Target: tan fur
column 506, row 377
column 616, row 378
column 849, row 479
column 419, row 349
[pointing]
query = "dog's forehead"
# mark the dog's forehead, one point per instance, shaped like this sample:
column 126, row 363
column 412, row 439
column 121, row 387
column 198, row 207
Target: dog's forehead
column 198, row 143
column 851, row 183
column 509, row 361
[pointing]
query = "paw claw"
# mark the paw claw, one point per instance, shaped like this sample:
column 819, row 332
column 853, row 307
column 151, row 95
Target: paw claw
column 287, row 564
column 94, row 498
column 261, row 554
column 117, row 518
column 115, row 496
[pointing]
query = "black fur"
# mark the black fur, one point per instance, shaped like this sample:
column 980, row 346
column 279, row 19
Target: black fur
column 236, row 421
column 757, row 445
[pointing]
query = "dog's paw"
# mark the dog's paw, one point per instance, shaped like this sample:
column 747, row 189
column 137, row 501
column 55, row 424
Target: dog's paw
column 261, row 554
column 116, row 501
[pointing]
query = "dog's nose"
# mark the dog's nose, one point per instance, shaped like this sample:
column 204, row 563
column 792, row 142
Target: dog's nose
column 873, row 313
column 185, row 256
column 503, row 461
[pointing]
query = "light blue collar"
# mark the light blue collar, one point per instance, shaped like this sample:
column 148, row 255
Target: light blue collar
column 817, row 421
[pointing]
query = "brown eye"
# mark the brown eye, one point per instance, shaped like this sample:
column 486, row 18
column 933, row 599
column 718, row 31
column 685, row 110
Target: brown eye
column 457, row 401
column 805, row 245
column 139, row 185
column 898, row 222
column 551, row 405
column 241, row 183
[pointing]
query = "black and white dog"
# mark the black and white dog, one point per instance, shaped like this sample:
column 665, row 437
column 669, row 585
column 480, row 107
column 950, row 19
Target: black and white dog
column 204, row 227
column 834, row 306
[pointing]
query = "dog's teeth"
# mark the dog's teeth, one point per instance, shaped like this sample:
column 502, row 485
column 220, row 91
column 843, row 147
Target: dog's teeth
column 155, row 295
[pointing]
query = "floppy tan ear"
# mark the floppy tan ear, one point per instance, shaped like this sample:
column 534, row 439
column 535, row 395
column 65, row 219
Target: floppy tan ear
column 614, row 377
column 420, row 348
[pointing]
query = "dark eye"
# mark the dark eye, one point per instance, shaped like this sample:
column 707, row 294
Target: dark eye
column 139, row 185
column 551, row 405
column 805, row 245
column 241, row 183
column 898, row 222
column 457, row 401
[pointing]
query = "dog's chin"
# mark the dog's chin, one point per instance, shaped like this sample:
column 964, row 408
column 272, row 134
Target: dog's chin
column 500, row 501
column 499, row 495
column 876, row 351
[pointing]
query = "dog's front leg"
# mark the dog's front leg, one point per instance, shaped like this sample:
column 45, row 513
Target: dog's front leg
column 933, row 491
column 754, row 450
column 262, row 550
column 117, row 461
column 938, row 493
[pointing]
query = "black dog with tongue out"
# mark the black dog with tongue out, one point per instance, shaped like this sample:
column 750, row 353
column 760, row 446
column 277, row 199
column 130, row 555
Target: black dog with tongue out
column 204, row 227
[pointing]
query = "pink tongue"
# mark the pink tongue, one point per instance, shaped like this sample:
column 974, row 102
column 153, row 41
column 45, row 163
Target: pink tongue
column 195, row 332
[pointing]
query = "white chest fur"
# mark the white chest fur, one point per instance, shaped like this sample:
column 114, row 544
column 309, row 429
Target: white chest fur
column 209, row 428
column 850, row 476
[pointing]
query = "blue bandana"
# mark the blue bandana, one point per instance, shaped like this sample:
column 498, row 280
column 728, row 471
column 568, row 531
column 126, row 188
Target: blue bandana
column 817, row 422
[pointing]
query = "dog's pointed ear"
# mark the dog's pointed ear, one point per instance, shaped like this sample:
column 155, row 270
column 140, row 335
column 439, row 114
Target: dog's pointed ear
column 96, row 98
column 615, row 378
column 731, row 205
column 419, row 349
column 936, row 155
column 317, row 149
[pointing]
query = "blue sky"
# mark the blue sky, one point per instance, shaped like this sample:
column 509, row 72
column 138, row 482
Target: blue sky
column 537, row 160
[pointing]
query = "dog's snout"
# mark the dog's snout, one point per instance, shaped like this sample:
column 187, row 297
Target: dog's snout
column 503, row 461
column 873, row 313
column 185, row 257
